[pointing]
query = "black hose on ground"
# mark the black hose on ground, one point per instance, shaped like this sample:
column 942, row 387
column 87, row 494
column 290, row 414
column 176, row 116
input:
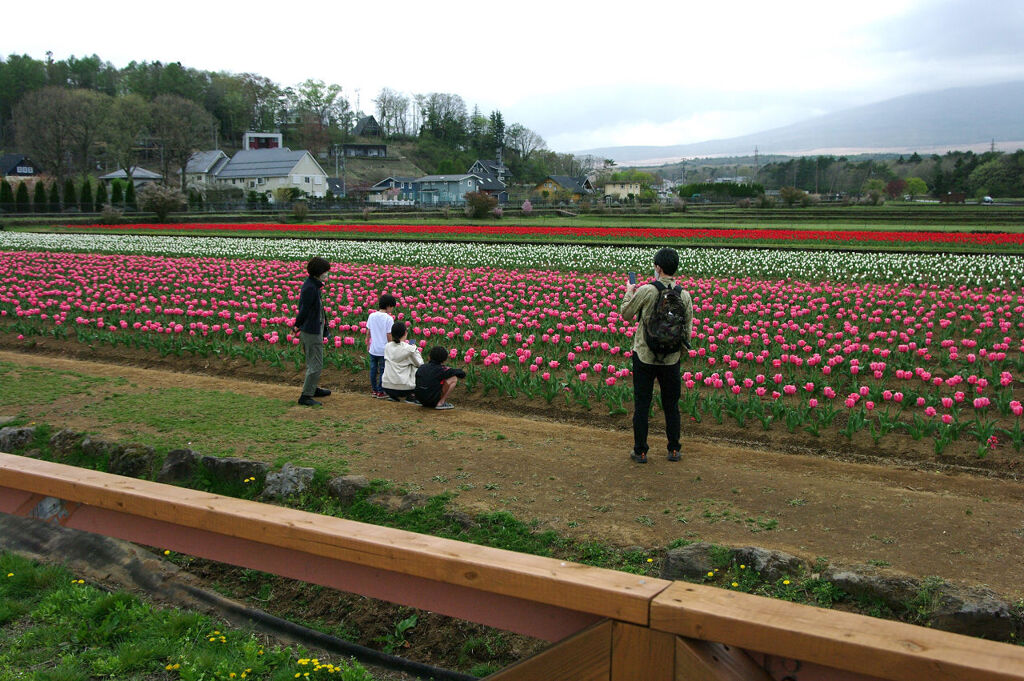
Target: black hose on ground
column 315, row 639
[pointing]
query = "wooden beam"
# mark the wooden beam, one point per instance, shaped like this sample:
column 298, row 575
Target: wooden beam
column 705, row 661
column 638, row 653
column 595, row 591
column 860, row 644
column 585, row 656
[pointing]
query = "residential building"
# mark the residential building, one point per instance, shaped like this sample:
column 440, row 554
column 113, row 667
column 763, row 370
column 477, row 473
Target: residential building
column 494, row 175
column 573, row 188
column 262, row 140
column 621, row 190
column 140, row 176
column 446, row 189
column 367, row 127
column 364, row 150
column 394, row 191
column 17, row 166
column 266, row 170
column 203, row 167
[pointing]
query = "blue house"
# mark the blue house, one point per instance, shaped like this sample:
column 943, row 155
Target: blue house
column 438, row 190
column 494, row 175
column 393, row 190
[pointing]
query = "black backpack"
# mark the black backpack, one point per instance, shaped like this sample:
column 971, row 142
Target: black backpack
column 666, row 327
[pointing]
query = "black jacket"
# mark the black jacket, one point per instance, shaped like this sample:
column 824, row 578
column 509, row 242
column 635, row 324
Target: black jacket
column 311, row 317
column 429, row 378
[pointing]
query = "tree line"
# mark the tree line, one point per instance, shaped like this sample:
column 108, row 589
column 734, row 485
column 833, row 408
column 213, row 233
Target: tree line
column 74, row 114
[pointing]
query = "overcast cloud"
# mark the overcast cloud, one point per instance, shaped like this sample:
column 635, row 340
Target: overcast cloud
column 647, row 73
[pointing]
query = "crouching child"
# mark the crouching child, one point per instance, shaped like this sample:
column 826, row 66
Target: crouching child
column 435, row 381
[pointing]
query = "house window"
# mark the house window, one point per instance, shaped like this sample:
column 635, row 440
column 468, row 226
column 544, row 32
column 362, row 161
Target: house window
column 318, row 179
column 305, row 180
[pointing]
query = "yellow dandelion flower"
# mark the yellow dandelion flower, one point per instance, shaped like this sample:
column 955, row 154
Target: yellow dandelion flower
column 212, row 639
column 711, row 574
column 232, row 675
column 216, row 633
column 743, row 567
column 169, row 667
column 10, row 574
column 650, row 560
column 167, row 552
column 734, row 584
column 786, row 582
column 177, row 666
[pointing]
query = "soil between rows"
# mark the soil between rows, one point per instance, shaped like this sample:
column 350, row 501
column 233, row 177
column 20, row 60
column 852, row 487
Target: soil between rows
column 569, row 470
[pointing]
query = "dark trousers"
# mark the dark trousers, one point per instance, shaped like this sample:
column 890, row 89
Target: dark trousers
column 376, row 373
column 668, row 379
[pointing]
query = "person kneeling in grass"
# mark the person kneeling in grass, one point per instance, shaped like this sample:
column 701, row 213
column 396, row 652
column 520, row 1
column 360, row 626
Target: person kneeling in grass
column 435, row 381
column 401, row 358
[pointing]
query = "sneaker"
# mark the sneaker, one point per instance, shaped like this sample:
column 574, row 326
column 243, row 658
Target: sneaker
column 413, row 400
column 379, row 395
column 445, row 405
column 674, row 455
column 639, row 458
column 308, row 401
column 393, row 399
column 321, row 392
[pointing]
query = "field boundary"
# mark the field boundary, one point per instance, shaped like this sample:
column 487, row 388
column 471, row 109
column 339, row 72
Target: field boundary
column 610, row 625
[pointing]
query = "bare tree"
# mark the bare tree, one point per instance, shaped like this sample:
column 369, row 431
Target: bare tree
column 180, row 127
column 43, row 122
column 392, row 112
column 127, row 124
column 524, row 141
column 92, row 109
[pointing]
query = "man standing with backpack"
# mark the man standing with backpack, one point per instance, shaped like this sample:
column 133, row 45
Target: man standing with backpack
column 665, row 314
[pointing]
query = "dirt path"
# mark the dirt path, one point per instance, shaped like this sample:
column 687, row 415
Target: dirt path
column 578, row 480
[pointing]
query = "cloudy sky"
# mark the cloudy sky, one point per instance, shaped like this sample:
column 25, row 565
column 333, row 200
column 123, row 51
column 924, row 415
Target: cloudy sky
column 637, row 73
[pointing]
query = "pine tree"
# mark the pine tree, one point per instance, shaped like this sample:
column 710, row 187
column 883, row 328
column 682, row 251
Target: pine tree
column 6, row 197
column 70, row 197
column 39, row 198
column 101, row 195
column 21, row 203
column 54, row 198
column 85, row 196
column 117, row 195
column 129, row 196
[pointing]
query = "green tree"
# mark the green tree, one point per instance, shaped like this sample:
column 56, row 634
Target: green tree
column 479, row 205
column 6, row 197
column 791, row 195
column 129, row 196
column 21, row 202
column 85, row 197
column 54, row 203
column 91, row 111
column 39, row 197
column 70, row 196
column 19, row 75
column 116, row 194
column 916, row 187
column 101, row 195
column 1000, row 176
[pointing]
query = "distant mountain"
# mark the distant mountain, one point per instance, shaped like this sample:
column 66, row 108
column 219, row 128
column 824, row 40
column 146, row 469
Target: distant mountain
column 937, row 121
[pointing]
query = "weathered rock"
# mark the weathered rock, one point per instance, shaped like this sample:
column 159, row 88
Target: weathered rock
column 290, row 480
column 345, row 488
column 134, row 461
column 4, row 420
column 179, row 466
column 15, row 438
column 234, row 470
column 974, row 611
column 692, row 561
column 399, row 502
column 64, row 441
column 95, row 447
column 771, row 565
column 863, row 581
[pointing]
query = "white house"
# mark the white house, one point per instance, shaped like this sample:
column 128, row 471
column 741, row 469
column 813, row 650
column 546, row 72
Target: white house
column 203, row 167
column 265, row 170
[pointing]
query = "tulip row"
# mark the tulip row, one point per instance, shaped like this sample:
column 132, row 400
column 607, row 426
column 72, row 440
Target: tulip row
column 817, row 236
column 930, row 359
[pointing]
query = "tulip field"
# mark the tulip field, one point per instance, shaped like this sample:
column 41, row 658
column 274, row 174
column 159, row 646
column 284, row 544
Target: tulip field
column 854, row 345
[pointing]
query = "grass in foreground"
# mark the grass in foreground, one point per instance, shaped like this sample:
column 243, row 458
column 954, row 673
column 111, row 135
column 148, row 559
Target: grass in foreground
column 55, row 627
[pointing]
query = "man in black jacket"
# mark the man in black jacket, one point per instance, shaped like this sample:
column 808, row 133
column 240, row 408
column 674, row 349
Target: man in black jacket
column 311, row 321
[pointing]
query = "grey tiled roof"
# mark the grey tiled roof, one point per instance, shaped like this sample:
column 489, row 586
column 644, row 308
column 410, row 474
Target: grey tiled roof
column 204, row 161
column 445, row 178
column 137, row 174
column 261, row 163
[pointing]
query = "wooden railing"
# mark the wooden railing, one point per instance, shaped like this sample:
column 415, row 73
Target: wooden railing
column 609, row 626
